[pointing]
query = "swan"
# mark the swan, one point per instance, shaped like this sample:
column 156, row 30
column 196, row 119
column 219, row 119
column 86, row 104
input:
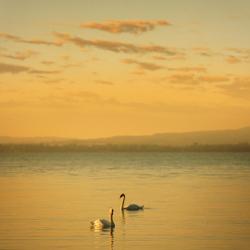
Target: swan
column 131, row 207
column 103, row 223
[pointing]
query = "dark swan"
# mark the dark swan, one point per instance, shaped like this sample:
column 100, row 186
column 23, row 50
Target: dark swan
column 131, row 207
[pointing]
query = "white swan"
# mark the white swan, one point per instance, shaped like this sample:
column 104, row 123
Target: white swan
column 103, row 223
column 131, row 207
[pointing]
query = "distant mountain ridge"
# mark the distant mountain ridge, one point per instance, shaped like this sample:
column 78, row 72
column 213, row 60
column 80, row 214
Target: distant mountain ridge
column 229, row 136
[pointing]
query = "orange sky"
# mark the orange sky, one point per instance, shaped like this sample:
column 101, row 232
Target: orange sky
column 101, row 68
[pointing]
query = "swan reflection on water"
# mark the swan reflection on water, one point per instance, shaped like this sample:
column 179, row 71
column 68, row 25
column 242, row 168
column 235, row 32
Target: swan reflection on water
column 104, row 232
column 104, row 226
column 123, row 217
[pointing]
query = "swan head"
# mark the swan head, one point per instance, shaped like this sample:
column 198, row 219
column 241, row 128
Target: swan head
column 111, row 211
column 122, row 195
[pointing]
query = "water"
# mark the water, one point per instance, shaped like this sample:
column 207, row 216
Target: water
column 192, row 200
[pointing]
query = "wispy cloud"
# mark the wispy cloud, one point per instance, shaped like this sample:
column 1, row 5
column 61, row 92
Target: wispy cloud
column 143, row 65
column 71, row 65
column 240, row 51
column 238, row 55
column 239, row 87
column 214, row 79
column 139, row 72
column 20, row 55
column 202, row 51
column 47, row 62
column 18, row 39
column 159, row 58
column 104, row 82
column 183, row 79
column 188, row 69
column 125, row 26
column 15, row 69
column 116, row 46
column 42, row 72
column 195, row 78
column 233, row 59
column 74, row 97
column 230, row 55
column 12, row 68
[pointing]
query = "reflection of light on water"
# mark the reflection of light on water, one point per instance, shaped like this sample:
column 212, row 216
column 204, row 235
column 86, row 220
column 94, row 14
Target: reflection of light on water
column 197, row 210
column 135, row 213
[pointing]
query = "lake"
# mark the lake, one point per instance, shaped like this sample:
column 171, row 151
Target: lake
column 192, row 201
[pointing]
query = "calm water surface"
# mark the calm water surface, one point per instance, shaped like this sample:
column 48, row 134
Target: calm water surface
column 192, row 200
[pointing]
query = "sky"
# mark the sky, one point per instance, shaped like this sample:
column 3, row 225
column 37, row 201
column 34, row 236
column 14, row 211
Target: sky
column 93, row 68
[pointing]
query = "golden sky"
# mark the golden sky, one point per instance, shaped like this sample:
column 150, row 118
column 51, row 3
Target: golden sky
column 96, row 68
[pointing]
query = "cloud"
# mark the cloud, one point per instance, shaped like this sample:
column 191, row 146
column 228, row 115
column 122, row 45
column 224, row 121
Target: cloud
column 189, row 69
column 57, row 80
column 139, row 72
column 238, row 54
column 185, row 79
column 114, row 46
column 47, row 62
column 203, row 51
column 143, row 65
column 104, row 82
column 240, row 51
column 43, row 42
column 159, row 58
column 12, row 68
column 42, row 72
column 71, row 65
column 10, row 37
column 230, row 55
column 214, row 79
column 79, row 96
column 126, row 26
column 20, row 55
column 18, row 39
column 232, row 59
column 240, row 87
column 15, row 69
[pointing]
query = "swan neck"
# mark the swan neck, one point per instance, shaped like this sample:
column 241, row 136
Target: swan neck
column 123, row 201
column 111, row 219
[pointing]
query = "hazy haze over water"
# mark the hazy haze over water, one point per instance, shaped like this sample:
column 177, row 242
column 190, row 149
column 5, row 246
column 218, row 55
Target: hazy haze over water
column 192, row 200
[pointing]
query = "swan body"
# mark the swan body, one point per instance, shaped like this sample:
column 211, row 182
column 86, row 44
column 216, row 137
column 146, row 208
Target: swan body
column 131, row 207
column 103, row 223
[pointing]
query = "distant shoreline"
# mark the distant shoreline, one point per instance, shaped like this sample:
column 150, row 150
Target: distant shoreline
column 42, row 147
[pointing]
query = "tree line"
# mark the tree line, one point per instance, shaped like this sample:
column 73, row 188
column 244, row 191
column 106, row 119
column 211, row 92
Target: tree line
column 43, row 147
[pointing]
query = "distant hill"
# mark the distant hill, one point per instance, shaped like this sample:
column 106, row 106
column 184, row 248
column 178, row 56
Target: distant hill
column 230, row 136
